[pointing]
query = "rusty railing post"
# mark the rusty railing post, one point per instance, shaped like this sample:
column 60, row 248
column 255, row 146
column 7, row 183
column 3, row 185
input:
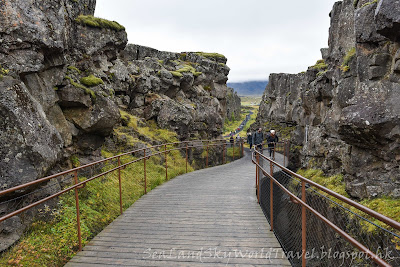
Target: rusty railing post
column 78, row 217
column 303, row 224
column 144, row 171
column 258, row 177
column 223, row 152
column 273, row 152
column 233, row 151
column 284, row 153
column 166, row 163
column 207, row 156
column 271, row 199
column 120, row 184
column 186, row 156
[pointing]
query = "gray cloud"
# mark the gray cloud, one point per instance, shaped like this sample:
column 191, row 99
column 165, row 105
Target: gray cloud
column 257, row 36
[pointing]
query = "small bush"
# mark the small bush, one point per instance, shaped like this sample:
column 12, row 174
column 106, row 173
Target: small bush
column 92, row 21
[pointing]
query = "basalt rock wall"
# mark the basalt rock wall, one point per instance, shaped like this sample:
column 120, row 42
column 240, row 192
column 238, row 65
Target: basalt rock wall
column 64, row 79
column 346, row 109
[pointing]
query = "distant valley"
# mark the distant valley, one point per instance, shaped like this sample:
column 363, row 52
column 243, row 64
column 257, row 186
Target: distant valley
column 250, row 88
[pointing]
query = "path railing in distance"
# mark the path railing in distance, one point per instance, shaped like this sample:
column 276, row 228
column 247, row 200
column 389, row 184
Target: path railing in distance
column 224, row 148
column 319, row 227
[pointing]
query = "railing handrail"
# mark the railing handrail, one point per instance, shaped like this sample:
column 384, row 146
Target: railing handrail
column 357, row 205
column 303, row 203
column 180, row 145
column 18, row 187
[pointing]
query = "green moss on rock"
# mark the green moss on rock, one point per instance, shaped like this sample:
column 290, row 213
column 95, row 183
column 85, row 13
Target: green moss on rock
column 320, row 65
column 91, row 81
column 92, row 21
column 210, row 55
column 347, row 58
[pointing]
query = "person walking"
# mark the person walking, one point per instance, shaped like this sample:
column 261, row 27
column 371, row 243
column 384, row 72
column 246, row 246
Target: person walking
column 249, row 138
column 272, row 139
column 258, row 138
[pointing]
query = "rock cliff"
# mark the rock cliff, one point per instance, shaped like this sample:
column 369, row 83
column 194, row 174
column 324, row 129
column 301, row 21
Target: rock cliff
column 65, row 75
column 344, row 110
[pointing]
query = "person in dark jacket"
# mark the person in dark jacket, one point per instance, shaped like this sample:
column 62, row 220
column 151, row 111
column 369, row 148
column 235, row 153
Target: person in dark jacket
column 258, row 138
column 249, row 138
column 272, row 139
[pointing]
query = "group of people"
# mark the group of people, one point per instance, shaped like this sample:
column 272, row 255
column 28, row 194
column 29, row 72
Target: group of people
column 257, row 138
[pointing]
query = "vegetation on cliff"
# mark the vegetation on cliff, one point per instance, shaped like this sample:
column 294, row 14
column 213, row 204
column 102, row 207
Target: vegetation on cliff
column 53, row 241
column 92, row 21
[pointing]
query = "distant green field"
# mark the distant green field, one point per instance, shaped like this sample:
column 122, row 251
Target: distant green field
column 251, row 100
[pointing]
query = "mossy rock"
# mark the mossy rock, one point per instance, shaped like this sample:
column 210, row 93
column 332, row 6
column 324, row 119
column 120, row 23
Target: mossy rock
column 91, row 81
column 210, row 55
column 92, row 21
column 320, row 65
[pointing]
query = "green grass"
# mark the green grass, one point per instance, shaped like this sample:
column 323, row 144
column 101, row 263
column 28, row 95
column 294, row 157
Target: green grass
column 92, row 21
column 320, row 65
column 347, row 58
column 54, row 242
column 73, row 68
column 232, row 124
column 284, row 132
column 91, row 81
column 185, row 68
column 3, row 72
column 210, row 55
column 369, row 3
column 251, row 100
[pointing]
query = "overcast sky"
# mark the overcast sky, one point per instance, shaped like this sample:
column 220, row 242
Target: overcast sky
column 258, row 37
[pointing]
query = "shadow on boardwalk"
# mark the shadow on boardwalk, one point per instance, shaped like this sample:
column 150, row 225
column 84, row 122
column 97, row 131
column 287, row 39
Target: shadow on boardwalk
column 208, row 217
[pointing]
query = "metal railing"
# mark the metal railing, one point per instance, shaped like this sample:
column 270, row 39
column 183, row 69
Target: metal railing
column 144, row 155
column 307, row 207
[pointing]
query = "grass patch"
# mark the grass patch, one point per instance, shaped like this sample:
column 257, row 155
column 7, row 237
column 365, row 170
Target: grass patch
column 210, row 55
column 54, row 242
column 73, row 68
column 347, row 58
column 185, row 68
column 284, row 132
column 320, row 65
column 3, row 72
column 91, row 81
column 369, row 3
column 92, row 21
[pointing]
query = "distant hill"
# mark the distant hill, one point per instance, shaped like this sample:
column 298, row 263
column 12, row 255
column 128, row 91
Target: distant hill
column 249, row 88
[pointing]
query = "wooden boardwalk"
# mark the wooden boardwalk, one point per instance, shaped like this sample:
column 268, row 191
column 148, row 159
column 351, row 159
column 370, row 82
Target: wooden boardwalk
column 204, row 218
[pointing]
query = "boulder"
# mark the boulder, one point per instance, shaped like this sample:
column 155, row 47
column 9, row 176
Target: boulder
column 387, row 19
column 30, row 144
column 99, row 119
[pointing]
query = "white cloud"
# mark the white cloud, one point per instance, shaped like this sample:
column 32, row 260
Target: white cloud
column 257, row 36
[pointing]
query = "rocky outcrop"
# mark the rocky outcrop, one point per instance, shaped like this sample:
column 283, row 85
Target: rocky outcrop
column 65, row 76
column 345, row 109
